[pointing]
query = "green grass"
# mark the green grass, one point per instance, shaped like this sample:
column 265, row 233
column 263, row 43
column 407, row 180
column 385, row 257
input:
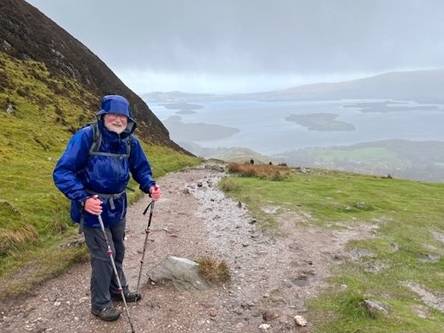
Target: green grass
column 34, row 217
column 407, row 212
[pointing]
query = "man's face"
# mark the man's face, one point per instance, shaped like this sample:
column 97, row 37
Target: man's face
column 115, row 122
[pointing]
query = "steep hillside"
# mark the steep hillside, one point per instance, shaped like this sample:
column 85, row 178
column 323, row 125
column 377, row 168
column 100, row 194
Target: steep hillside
column 50, row 85
column 26, row 33
column 39, row 111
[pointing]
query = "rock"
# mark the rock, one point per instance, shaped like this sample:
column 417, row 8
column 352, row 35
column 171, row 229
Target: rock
column 438, row 236
column 238, row 311
column 361, row 205
column 182, row 272
column 300, row 321
column 420, row 310
column 394, row 247
column 186, row 190
column 357, row 254
column 375, row 267
column 429, row 257
column 264, row 327
column 6, row 46
column 239, row 325
column 269, row 315
column 10, row 109
column 215, row 167
column 247, row 305
column 77, row 242
column 212, row 313
column 304, row 170
column 430, row 299
column 374, row 308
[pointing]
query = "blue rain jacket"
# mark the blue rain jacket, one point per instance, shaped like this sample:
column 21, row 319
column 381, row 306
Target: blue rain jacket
column 79, row 174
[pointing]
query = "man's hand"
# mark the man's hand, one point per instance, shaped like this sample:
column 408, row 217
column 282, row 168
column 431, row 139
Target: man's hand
column 155, row 192
column 93, row 205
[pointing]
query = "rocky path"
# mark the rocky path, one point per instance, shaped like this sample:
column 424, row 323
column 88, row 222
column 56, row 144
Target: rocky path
column 272, row 276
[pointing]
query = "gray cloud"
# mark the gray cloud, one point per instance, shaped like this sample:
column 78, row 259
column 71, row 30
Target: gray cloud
column 253, row 37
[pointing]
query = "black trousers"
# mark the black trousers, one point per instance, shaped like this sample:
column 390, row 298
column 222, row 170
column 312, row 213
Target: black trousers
column 103, row 279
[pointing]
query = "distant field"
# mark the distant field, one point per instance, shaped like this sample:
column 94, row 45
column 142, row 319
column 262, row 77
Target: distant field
column 421, row 160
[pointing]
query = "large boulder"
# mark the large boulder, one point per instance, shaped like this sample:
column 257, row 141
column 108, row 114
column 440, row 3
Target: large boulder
column 182, row 272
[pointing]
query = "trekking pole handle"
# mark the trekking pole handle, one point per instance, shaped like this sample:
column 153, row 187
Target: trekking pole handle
column 146, row 209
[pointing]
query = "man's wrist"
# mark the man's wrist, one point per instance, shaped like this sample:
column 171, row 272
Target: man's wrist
column 83, row 201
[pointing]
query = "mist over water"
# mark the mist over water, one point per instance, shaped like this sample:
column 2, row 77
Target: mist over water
column 263, row 126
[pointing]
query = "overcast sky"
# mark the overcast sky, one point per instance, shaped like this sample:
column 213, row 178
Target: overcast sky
column 253, row 45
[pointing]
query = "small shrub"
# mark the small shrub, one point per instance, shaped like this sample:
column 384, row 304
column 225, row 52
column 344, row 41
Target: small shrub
column 214, row 271
column 12, row 239
column 229, row 185
column 266, row 171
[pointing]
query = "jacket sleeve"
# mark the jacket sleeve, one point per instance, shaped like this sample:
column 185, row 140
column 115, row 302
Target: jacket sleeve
column 140, row 167
column 73, row 160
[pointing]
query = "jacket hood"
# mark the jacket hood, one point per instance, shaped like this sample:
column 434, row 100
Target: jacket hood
column 115, row 104
column 119, row 105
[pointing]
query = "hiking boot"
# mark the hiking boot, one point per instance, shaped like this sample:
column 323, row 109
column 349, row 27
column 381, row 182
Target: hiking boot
column 130, row 297
column 108, row 313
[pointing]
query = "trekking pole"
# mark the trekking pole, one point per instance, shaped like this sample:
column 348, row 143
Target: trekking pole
column 109, row 252
column 147, row 232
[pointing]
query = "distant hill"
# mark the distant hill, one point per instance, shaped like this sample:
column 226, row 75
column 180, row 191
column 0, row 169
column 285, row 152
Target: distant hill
column 425, row 86
column 421, row 86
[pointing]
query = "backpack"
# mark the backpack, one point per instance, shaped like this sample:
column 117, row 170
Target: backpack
column 97, row 141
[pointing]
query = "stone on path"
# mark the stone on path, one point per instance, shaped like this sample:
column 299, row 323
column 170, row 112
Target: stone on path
column 182, row 272
column 374, row 307
column 300, row 321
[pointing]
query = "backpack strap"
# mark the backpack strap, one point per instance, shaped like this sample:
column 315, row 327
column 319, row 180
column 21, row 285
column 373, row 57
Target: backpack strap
column 97, row 139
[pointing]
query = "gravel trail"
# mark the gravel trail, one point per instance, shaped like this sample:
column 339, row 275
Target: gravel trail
column 272, row 275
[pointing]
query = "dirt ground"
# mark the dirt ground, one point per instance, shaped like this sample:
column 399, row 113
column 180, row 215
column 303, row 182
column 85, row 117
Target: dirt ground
column 272, row 275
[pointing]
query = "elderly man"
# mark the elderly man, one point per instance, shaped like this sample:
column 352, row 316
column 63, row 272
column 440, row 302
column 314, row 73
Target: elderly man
column 93, row 173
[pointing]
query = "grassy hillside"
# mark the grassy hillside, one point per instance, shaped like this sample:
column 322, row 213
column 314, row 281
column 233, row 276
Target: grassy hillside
column 38, row 113
column 407, row 248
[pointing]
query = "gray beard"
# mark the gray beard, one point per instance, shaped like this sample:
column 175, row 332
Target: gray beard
column 115, row 129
